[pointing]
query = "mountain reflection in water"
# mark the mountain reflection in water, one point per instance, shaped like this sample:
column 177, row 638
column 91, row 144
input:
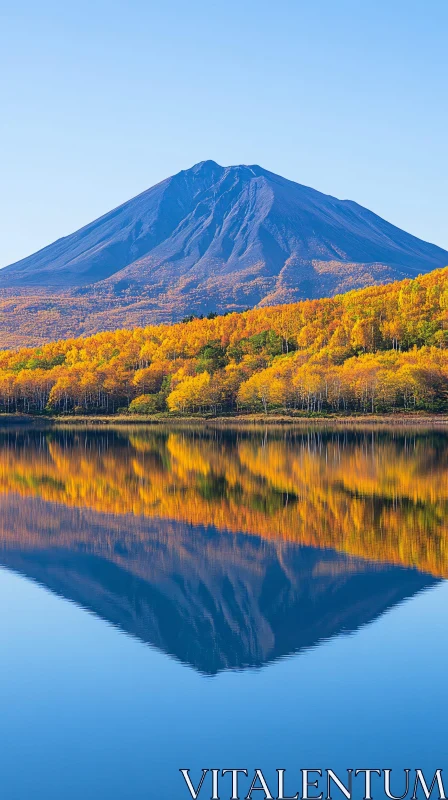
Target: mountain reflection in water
column 226, row 550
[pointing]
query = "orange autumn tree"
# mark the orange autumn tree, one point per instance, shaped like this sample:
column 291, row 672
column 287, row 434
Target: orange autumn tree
column 377, row 349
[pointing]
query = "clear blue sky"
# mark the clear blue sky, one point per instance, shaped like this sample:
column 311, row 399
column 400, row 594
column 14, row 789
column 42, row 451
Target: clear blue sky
column 99, row 100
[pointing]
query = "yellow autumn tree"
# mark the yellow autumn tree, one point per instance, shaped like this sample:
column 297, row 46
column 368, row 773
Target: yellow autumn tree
column 191, row 393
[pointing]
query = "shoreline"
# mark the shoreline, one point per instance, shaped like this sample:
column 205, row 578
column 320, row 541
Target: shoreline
column 243, row 420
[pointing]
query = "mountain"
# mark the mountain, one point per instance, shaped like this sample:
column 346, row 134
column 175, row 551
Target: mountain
column 210, row 238
column 229, row 236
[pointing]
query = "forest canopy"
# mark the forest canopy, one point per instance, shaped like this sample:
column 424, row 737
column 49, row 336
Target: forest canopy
column 373, row 350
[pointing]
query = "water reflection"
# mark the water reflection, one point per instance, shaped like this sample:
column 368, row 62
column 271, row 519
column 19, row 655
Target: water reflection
column 149, row 529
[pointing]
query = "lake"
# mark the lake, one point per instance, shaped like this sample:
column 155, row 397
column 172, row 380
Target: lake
column 273, row 598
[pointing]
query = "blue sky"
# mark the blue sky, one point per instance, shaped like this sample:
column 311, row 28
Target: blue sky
column 99, row 100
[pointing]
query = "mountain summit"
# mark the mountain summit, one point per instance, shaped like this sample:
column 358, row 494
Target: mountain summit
column 222, row 238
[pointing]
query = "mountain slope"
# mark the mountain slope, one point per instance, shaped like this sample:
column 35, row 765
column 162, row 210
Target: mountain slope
column 210, row 238
column 217, row 237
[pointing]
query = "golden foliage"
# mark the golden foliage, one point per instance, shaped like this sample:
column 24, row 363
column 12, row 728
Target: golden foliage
column 376, row 349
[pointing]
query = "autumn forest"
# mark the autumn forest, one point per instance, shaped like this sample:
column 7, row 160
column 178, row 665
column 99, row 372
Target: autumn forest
column 374, row 350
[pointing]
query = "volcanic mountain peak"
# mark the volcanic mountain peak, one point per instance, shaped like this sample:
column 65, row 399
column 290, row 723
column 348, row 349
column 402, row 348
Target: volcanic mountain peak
column 223, row 238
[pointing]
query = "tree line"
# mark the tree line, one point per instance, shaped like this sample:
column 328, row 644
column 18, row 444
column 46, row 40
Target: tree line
column 373, row 350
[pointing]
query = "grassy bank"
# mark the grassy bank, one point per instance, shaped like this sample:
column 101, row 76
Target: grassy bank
column 236, row 420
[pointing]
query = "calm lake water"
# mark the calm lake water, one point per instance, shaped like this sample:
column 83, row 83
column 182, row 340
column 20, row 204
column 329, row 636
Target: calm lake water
column 176, row 599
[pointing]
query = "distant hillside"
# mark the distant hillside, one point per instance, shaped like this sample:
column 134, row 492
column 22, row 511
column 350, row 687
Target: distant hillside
column 210, row 238
column 378, row 349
